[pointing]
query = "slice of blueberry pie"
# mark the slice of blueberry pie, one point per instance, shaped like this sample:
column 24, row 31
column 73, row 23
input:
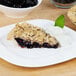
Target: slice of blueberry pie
column 29, row 36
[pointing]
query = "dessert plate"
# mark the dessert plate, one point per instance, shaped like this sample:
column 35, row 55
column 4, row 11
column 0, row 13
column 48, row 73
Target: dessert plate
column 39, row 57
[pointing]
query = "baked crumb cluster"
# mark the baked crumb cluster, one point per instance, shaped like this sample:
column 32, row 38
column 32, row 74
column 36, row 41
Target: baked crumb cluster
column 72, row 14
column 24, row 33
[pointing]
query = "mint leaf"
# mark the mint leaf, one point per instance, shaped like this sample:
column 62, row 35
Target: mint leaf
column 60, row 21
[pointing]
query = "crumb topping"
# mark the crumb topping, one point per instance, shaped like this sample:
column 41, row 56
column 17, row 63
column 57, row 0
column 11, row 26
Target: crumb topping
column 32, row 33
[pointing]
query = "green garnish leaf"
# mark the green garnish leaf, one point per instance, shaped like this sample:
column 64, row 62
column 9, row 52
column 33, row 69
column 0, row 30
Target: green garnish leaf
column 60, row 21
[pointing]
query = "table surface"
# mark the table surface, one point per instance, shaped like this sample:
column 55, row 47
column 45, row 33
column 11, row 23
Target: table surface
column 45, row 11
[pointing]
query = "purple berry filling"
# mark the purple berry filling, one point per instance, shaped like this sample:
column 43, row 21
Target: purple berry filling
column 29, row 44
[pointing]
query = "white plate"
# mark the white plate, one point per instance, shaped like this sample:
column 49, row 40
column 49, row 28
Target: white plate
column 39, row 57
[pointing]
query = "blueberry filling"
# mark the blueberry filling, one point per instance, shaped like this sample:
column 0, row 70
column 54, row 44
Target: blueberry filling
column 46, row 45
column 19, row 3
column 36, row 45
column 20, row 42
column 56, row 45
column 29, row 44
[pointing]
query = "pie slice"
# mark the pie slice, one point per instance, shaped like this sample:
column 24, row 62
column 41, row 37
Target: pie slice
column 72, row 14
column 29, row 36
